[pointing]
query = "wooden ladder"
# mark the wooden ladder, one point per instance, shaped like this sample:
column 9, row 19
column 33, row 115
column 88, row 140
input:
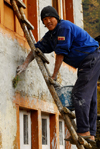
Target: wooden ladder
column 66, row 114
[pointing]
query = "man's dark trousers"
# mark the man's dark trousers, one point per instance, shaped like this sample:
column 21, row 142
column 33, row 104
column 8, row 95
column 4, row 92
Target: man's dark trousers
column 84, row 93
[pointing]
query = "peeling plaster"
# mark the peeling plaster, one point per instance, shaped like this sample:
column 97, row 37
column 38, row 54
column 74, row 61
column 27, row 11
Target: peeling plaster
column 8, row 124
column 54, row 142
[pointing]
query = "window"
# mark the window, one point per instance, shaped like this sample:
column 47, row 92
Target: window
column 9, row 20
column 12, row 23
column 8, row 13
column 60, row 6
column 25, row 130
column 61, row 134
column 45, row 132
column 64, row 9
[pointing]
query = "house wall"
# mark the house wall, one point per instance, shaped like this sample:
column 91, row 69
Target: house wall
column 31, row 92
column 78, row 13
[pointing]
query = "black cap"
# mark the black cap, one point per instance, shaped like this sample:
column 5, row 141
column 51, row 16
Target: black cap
column 49, row 11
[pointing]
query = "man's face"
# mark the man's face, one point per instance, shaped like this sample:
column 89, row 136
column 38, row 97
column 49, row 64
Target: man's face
column 50, row 22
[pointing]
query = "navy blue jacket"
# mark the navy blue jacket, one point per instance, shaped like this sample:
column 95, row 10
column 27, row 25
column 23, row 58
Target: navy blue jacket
column 70, row 40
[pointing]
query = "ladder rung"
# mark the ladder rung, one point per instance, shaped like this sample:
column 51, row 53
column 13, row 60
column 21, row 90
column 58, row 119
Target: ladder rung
column 53, row 82
column 84, row 142
column 29, row 25
column 43, row 57
column 70, row 114
column 20, row 4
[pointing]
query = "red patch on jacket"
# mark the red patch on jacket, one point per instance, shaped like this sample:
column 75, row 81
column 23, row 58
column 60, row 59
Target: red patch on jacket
column 61, row 38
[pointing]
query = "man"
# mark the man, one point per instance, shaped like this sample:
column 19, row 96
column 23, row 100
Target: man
column 77, row 48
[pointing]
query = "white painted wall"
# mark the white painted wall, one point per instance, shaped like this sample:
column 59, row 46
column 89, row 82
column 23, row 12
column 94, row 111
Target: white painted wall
column 7, row 109
column 41, row 5
column 78, row 12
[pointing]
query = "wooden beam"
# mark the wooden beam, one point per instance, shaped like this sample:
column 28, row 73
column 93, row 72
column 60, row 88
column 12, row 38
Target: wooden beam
column 32, row 6
column 64, row 9
column 18, row 127
column 34, row 129
column 2, row 12
column 69, row 10
column 59, row 7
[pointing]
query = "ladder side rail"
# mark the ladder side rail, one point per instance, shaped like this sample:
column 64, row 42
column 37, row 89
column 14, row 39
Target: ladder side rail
column 85, row 143
column 24, row 27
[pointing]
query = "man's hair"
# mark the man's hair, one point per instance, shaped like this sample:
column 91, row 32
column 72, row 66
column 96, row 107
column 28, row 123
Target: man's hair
column 49, row 11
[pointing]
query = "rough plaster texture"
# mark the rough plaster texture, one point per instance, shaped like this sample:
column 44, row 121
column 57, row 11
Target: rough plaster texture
column 41, row 5
column 78, row 12
column 7, row 109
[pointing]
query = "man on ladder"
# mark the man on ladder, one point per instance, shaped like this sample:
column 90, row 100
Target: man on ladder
column 77, row 48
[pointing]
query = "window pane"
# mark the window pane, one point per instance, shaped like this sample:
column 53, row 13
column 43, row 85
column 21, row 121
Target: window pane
column 25, row 121
column 44, row 131
column 60, row 133
column 8, row 13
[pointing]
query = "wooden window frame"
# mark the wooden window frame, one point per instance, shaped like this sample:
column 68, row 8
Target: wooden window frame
column 48, row 131
column 8, row 5
column 67, row 9
column 33, row 16
column 22, row 145
column 63, row 133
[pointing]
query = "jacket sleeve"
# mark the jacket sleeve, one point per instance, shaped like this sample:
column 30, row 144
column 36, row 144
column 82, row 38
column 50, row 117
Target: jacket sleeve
column 64, row 41
column 44, row 45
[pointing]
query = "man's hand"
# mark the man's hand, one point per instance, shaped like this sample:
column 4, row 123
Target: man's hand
column 20, row 69
column 23, row 67
column 54, row 78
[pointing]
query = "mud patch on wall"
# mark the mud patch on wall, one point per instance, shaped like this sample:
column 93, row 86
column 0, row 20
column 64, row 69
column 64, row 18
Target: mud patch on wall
column 15, row 143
